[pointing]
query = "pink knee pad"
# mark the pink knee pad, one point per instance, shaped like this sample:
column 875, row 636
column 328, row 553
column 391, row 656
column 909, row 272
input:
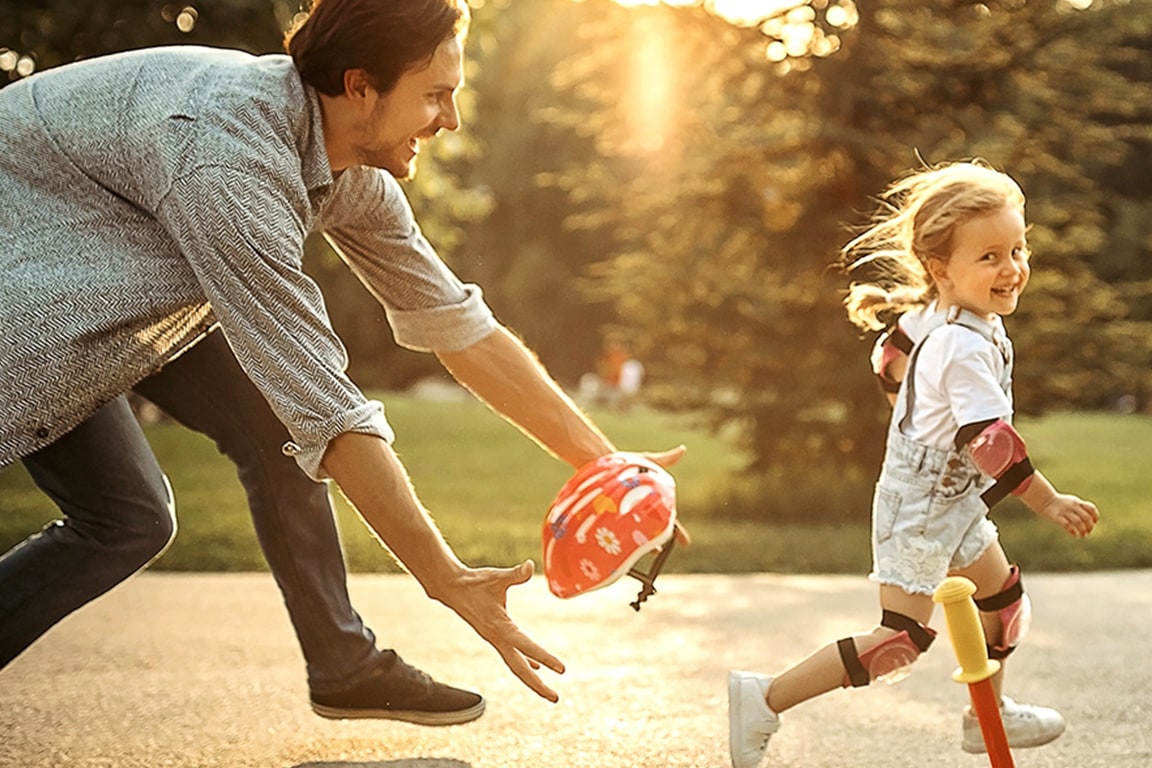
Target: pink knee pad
column 1015, row 611
column 889, row 660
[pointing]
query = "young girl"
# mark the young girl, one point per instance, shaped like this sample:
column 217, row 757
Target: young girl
column 948, row 255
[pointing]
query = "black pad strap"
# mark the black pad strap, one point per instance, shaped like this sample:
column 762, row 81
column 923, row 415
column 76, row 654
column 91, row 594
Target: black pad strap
column 970, row 432
column 900, row 340
column 920, row 635
column 1002, row 600
column 857, row 674
column 999, row 654
column 1008, row 482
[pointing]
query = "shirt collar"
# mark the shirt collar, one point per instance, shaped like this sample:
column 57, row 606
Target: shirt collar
column 314, row 166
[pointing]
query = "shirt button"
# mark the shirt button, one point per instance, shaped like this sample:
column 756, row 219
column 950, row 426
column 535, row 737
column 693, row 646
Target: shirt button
column 43, row 432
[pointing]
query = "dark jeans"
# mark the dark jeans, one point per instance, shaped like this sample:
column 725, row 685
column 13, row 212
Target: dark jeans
column 118, row 515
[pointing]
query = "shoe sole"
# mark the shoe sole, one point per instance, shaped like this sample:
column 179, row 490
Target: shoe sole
column 981, row 748
column 735, row 715
column 455, row 717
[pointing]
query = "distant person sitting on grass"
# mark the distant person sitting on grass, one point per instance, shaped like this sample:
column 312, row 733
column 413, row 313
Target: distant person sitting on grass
column 950, row 258
column 156, row 206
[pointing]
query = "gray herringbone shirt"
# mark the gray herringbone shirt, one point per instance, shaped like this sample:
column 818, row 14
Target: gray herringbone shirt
column 145, row 196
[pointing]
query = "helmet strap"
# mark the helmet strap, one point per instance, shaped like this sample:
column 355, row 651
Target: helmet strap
column 648, row 579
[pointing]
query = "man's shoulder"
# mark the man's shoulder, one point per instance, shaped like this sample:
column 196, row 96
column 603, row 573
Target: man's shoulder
column 367, row 194
column 170, row 62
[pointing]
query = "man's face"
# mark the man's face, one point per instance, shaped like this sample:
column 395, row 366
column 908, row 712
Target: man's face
column 423, row 102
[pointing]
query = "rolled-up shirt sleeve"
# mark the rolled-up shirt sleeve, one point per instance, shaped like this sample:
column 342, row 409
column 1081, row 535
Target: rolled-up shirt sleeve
column 245, row 246
column 370, row 224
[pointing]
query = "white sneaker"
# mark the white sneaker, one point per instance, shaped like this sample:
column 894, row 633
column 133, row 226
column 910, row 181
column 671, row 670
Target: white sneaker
column 1025, row 725
column 750, row 722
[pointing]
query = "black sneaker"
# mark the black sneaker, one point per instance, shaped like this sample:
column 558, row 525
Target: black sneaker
column 398, row 691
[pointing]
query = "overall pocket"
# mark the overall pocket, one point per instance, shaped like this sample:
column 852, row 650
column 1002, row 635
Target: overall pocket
column 957, row 479
column 886, row 505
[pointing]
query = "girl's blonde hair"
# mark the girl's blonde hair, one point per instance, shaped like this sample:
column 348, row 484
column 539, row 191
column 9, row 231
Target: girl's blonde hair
column 915, row 223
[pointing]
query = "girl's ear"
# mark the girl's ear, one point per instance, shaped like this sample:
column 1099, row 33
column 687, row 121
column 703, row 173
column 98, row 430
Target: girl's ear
column 938, row 270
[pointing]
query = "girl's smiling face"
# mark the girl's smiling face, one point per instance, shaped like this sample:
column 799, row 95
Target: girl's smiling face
column 988, row 267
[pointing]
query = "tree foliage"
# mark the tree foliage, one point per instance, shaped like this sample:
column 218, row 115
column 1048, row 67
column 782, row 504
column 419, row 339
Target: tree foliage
column 687, row 180
column 726, row 222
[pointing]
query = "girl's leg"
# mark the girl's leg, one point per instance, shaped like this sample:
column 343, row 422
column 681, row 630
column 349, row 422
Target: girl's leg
column 118, row 517
column 823, row 671
column 989, row 573
column 755, row 701
column 1026, row 725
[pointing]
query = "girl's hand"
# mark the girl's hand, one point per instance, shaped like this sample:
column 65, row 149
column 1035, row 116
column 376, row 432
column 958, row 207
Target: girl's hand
column 1071, row 513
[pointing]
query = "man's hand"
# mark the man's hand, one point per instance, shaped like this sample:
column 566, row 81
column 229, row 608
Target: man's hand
column 479, row 597
column 1071, row 513
column 667, row 459
column 372, row 477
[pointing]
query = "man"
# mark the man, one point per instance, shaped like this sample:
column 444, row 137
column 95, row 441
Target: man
column 156, row 205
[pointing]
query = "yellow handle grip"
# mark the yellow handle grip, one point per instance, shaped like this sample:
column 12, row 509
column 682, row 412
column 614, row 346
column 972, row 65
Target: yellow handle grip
column 955, row 594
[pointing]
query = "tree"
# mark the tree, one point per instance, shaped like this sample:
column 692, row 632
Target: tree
column 727, row 223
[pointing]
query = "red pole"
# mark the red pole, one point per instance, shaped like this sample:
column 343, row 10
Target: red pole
column 976, row 669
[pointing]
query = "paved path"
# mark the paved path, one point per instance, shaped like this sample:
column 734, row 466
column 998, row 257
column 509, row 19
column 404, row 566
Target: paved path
column 187, row 670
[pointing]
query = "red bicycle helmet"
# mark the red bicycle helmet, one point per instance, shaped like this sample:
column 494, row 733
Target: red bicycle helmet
column 610, row 514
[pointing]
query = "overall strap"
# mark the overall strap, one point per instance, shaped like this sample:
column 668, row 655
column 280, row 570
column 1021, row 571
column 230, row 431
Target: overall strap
column 950, row 316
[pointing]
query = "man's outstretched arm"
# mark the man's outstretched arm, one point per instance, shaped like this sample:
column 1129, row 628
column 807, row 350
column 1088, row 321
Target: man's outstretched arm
column 372, row 477
column 501, row 371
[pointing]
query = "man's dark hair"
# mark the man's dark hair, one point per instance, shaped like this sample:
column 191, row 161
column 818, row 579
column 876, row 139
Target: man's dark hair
column 385, row 38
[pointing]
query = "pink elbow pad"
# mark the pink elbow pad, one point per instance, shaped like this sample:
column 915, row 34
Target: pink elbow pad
column 1000, row 452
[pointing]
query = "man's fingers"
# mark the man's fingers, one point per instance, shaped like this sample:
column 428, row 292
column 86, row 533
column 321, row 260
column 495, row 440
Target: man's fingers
column 523, row 572
column 667, row 458
column 483, row 604
column 522, row 656
column 530, row 678
column 537, row 655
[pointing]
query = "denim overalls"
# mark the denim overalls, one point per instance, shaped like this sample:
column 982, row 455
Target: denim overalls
column 927, row 515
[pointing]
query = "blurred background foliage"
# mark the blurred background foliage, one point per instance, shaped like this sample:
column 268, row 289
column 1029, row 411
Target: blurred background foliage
column 681, row 175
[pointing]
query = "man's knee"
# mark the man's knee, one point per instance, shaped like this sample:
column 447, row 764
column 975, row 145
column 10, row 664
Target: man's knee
column 145, row 526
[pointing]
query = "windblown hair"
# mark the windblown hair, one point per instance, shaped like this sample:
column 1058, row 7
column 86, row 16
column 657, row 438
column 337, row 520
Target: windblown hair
column 386, row 38
column 915, row 223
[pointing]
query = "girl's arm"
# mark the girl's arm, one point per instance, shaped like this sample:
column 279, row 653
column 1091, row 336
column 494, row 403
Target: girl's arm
column 1072, row 513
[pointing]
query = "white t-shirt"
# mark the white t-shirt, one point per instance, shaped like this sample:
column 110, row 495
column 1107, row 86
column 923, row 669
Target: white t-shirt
column 962, row 377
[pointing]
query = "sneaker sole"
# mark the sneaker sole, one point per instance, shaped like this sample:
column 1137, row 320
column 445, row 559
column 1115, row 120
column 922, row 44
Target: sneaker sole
column 980, row 748
column 455, row 717
column 735, row 715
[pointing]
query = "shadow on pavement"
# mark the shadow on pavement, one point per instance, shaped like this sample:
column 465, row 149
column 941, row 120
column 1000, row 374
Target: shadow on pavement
column 416, row 762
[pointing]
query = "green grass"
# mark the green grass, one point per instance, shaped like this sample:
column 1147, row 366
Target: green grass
column 488, row 488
